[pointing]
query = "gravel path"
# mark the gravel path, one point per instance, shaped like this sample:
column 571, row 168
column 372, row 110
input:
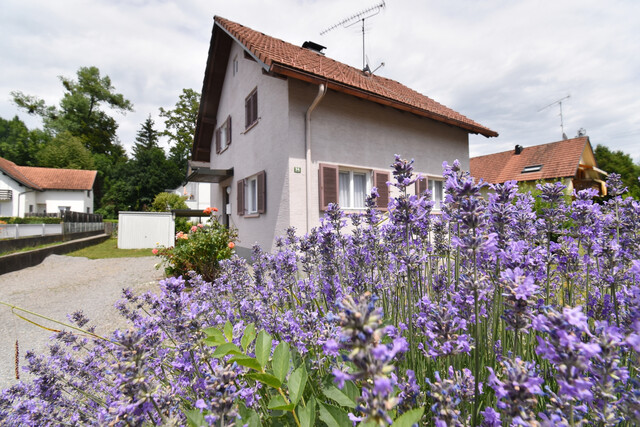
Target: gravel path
column 61, row 285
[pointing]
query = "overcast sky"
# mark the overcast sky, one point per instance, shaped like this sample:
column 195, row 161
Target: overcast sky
column 496, row 61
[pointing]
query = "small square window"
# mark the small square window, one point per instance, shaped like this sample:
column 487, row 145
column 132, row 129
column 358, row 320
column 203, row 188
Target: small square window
column 251, row 109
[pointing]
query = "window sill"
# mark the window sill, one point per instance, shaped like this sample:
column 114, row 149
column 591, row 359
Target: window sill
column 223, row 150
column 253, row 215
column 251, row 126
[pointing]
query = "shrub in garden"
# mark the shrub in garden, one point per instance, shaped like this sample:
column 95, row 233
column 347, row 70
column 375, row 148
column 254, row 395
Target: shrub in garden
column 485, row 314
column 199, row 250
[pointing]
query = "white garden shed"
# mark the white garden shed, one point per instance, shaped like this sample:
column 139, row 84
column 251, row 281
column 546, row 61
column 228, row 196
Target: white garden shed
column 139, row 230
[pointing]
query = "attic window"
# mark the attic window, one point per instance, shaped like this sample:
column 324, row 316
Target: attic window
column 534, row 168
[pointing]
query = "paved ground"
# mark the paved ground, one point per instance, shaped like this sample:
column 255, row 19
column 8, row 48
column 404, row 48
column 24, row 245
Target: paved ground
column 62, row 285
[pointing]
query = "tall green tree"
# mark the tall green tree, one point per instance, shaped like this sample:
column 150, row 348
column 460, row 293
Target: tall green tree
column 146, row 138
column 82, row 110
column 19, row 144
column 180, row 126
column 622, row 164
column 149, row 172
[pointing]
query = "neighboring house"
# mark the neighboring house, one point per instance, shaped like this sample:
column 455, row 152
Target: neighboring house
column 283, row 131
column 198, row 196
column 570, row 161
column 25, row 189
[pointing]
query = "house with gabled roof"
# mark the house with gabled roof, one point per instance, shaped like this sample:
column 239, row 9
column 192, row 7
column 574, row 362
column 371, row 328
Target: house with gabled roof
column 284, row 130
column 26, row 189
column 570, row 161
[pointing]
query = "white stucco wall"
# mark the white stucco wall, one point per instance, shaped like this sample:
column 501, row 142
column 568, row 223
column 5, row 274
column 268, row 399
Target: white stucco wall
column 263, row 147
column 78, row 200
column 17, row 202
column 360, row 134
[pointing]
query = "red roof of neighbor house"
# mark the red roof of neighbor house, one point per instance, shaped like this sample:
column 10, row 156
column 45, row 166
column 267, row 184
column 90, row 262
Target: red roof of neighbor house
column 284, row 58
column 49, row 178
column 14, row 171
column 557, row 159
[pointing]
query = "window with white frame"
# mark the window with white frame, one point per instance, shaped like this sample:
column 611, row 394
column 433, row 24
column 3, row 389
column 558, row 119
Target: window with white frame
column 437, row 191
column 353, row 189
column 350, row 187
column 223, row 136
column 251, row 195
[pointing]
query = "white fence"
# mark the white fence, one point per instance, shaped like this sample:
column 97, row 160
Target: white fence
column 139, row 230
column 15, row 231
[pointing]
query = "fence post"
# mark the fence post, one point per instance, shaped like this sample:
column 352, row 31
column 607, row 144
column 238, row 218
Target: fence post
column 17, row 231
column 43, row 229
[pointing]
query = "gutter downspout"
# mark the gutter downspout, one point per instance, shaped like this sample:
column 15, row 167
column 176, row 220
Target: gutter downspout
column 322, row 90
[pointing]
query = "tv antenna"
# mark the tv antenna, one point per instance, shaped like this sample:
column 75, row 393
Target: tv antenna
column 559, row 102
column 354, row 19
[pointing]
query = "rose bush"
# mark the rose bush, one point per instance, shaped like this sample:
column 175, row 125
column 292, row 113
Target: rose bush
column 200, row 249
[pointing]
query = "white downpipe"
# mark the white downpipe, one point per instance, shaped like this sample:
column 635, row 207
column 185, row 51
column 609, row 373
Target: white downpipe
column 322, row 90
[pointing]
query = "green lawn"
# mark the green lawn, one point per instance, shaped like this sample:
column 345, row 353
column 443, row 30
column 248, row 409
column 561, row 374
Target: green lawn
column 109, row 249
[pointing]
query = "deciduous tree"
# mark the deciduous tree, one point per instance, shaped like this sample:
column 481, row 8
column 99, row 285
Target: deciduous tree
column 180, row 126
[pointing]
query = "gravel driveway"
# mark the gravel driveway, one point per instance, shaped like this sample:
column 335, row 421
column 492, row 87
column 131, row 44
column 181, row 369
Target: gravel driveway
column 59, row 286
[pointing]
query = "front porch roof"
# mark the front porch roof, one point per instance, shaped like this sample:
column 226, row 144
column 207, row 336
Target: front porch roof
column 202, row 172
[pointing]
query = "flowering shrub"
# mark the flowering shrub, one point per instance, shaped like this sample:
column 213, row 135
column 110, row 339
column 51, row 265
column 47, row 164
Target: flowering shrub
column 486, row 314
column 200, row 249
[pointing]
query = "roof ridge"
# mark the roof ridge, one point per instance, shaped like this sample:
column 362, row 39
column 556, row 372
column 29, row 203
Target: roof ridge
column 348, row 78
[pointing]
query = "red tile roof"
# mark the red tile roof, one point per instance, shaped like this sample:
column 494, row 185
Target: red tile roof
column 15, row 172
column 284, row 58
column 49, row 178
column 558, row 159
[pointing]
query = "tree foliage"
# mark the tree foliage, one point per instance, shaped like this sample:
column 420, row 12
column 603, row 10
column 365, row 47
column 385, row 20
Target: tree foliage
column 622, row 164
column 19, row 144
column 165, row 202
column 65, row 151
column 180, row 126
column 81, row 111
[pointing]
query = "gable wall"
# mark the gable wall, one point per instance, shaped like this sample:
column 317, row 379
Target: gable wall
column 352, row 132
column 263, row 147
column 17, row 202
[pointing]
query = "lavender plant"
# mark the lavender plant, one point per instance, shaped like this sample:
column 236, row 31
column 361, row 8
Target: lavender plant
column 354, row 322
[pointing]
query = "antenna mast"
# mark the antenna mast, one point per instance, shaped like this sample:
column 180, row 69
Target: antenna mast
column 358, row 17
column 559, row 102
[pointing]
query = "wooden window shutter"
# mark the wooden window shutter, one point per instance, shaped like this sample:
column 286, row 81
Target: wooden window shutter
column 421, row 185
column 380, row 179
column 262, row 192
column 240, row 197
column 229, row 130
column 254, row 107
column 328, row 181
column 251, row 108
column 218, row 142
column 247, row 112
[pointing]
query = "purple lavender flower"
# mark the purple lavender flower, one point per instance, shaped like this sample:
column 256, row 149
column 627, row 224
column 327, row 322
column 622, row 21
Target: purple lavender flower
column 517, row 390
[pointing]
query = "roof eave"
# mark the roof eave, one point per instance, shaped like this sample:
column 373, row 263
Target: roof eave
column 350, row 90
